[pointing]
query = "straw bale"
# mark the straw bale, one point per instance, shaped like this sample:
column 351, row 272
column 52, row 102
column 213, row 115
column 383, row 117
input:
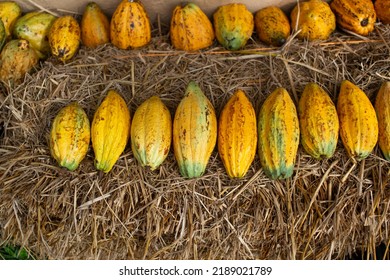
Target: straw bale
column 325, row 211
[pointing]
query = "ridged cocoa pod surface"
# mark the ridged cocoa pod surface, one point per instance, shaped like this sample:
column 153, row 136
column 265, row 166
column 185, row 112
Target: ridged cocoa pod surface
column 16, row 59
column 64, row 38
column 233, row 25
column 358, row 16
column 314, row 19
column 70, row 136
column 190, row 28
column 151, row 132
column 358, row 121
column 318, row 120
column 278, row 135
column 272, row 26
column 382, row 108
column 194, row 132
column 130, row 25
column 237, row 135
column 110, row 131
column 95, row 26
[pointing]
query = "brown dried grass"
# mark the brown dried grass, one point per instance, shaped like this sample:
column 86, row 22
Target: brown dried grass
column 134, row 213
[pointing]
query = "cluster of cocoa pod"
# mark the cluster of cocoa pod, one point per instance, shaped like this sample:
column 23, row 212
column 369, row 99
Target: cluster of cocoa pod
column 275, row 133
column 37, row 34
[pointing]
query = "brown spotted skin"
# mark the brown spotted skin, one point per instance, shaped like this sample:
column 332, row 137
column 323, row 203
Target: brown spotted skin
column 314, row 19
column 382, row 108
column 278, row 135
column 10, row 11
column 233, row 25
column 272, row 26
column 95, row 26
column 358, row 16
column 64, row 38
column 190, row 28
column 110, row 131
column 70, row 136
column 151, row 132
column 237, row 135
column 35, row 27
column 358, row 121
column 382, row 9
column 194, row 132
column 130, row 26
column 16, row 59
column 319, row 123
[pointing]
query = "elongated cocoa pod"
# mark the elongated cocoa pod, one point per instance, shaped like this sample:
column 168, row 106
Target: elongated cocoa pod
column 358, row 121
column 110, row 131
column 319, row 123
column 194, row 132
column 237, row 135
column 151, row 132
column 382, row 107
column 278, row 130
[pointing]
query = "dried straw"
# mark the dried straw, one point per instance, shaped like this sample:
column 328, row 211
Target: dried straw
column 135, row 213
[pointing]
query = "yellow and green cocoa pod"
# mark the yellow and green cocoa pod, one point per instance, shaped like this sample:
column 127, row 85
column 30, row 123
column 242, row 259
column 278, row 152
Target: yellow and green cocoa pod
column 70, row 136
column 272, row 26
column 358, row 121
column 34, row 27
column 3, row 35
column 237, row 135
column 151, row 132
column 64, row 37
column 194, row 132
column 190, row 28
column 382, row 108
column 314, row 19
column 16, row 59
column 318, row 120
column 278, row 135
column 10, row 11
column 95, row 26
column 233, row 25
column 110, row 131
column 130, row 25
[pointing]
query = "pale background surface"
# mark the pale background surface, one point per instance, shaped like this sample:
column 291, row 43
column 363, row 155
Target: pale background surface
column 162, row 7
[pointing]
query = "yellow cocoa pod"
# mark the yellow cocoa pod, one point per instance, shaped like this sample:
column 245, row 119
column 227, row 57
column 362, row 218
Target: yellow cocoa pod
column 3, row 35
column 70, row 136
column 194, row 132
column 314, row 19
column 233, row 25
column 358, row 16
column 16, row 59
column 318, row 120
column 35, row 27
column 382, row 108
column 130, row 25
column 382, row 9
column 190, row 28
column 110, row 131
column 237, row 135
column 151, row 132
column 272, row 26
column 278, row 130
column 10, row 11
column 64, row 38
column 358, row 121
column 95, row 26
